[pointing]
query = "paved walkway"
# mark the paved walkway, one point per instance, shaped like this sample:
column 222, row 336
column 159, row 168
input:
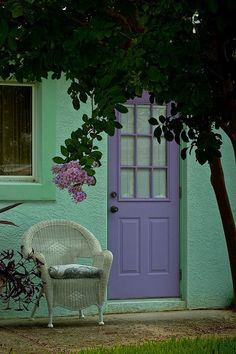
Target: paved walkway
column 69, row 335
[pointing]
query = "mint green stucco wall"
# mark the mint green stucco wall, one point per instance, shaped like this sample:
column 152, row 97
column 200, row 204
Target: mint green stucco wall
column 206, row 278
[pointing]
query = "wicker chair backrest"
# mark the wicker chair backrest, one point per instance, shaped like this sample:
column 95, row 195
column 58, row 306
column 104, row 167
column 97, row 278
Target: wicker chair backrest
column 61, row 241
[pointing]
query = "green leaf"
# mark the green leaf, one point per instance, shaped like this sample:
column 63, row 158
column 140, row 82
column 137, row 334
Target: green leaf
column 120, row 108
column 163, row 61
column 11, row 43
column 218, row 153
column 173, row 109
column 162, row 119
column 79, row 133
column 184, row 136
column 95, row 112
column 97, row 155
column 83, row 161
column 90, row 172
column 64, row 151
column 58, row 160
column 153, row 121
column 169, row 136
column 152, row 98
column 153, row 73
column 191, row 134
column 73, row 135
column 157, row 133
column 184, row 153
column 71, row 149
column 3, row 31
column 177, row 138
column 56, row 76
column 201, row 156
column 83, row 97
column 99, row 137
column 85, row 118
column 109, row 128
column 76, row 103
column 68, row 142
column 17, row 10
column 118, row 125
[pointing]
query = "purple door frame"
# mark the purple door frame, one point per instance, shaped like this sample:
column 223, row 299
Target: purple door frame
column 143, row 233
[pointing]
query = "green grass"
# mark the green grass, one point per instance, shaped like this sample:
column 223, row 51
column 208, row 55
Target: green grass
column 209, row 345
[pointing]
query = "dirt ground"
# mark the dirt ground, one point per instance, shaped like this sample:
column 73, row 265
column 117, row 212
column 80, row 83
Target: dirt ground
column 69, row 335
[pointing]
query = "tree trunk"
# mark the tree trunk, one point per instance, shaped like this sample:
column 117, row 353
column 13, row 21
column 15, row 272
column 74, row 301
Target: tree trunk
column 218, row 183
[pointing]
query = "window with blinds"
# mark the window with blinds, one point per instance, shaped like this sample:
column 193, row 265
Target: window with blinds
column 16, row 131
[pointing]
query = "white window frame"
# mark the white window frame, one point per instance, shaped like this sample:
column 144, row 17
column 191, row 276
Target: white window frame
column 33, row 177
column 39, row 186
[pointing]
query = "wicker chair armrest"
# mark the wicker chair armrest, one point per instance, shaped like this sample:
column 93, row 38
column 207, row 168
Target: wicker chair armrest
column 40, row 261
column 42, row 266
column 103, row 260
column 36, row 256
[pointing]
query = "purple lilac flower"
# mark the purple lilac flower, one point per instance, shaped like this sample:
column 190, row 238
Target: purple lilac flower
column 56, row 168
column 90, row 180
column 72, row 176
column 77, row 194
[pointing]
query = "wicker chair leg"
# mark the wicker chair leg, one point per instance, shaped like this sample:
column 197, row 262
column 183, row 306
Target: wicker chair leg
column 36, row 304
column 49, row 299
column 50, row 325
column 81, row 315
column 100, row 315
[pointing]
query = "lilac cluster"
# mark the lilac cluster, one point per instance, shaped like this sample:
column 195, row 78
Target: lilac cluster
column 72, row 176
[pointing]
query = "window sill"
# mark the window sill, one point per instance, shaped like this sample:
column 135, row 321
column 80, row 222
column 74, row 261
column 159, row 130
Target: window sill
column 27, row 191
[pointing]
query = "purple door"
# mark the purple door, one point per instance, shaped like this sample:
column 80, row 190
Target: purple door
column 143, row 208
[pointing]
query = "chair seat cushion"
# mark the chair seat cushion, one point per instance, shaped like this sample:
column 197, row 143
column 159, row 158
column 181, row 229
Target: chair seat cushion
column 74, row 271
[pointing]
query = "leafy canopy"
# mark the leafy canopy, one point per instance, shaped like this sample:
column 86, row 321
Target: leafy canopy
column 182, row 52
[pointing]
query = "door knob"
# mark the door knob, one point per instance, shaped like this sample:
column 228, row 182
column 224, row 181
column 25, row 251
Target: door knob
column 113, row 194
column 114, row 209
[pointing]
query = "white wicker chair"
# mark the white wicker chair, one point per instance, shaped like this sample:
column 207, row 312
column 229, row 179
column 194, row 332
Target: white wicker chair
column 62, row 242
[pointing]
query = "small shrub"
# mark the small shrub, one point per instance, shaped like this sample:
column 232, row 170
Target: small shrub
column 19, row 279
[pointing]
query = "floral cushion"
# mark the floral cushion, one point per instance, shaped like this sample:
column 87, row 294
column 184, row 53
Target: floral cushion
column 74, row 271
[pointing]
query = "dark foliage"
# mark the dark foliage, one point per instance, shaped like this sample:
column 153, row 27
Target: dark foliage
column 20, row 279
column 2, row 210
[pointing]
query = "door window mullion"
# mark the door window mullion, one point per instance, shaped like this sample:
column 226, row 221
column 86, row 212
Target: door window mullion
column 151, row 156
column 135, row 150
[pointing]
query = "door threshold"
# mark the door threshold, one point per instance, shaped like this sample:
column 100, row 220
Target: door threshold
column 144, row 305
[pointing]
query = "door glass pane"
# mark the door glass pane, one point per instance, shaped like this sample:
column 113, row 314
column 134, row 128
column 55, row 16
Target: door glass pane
column 15, row 130
column 127, row 120
column 127, row 183
column 159, row 152
column 143, row 114
column 143, row 151
column 159, row 183
column 143, row 183
column 158, row 111
column 127, row 150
